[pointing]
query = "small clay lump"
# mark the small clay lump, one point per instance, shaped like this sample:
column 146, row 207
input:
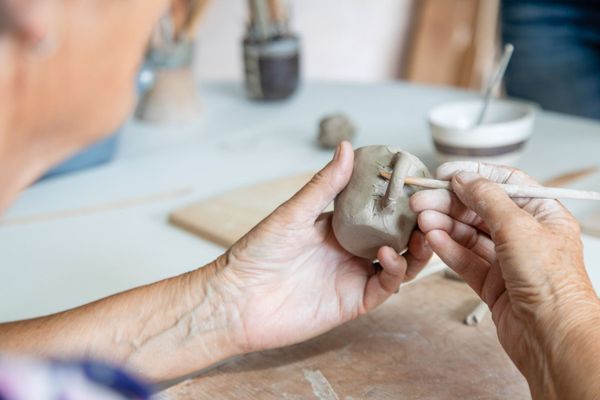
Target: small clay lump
column 335, row 128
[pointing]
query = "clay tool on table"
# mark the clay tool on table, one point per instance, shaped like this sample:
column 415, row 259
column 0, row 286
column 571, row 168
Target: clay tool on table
column 495, row 79
column 572, row 176
column 477, row 315
column 515, row 191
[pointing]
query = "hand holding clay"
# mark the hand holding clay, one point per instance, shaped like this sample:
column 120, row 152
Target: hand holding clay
column 524, row 258
column 289, row 279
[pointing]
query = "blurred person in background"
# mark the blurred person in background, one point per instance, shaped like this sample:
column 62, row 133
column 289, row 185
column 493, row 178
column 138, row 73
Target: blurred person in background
column 557, row 53
column 288, row 279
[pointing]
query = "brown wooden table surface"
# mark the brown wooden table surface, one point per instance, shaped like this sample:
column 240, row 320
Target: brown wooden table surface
column 415, row 346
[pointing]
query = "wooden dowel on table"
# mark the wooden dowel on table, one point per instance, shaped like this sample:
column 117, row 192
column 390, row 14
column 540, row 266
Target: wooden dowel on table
column 533, row 192
column 570, row 177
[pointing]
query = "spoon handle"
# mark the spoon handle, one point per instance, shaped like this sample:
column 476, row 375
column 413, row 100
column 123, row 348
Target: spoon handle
column 494, row 80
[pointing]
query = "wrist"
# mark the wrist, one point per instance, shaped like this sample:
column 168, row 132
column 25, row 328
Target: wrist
column 569, row 349
column 227, row 290
column 192, row 327
column 215, row 318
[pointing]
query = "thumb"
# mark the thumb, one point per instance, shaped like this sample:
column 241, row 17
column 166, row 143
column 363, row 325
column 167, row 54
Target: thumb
column 320, row 191
column 487, row 199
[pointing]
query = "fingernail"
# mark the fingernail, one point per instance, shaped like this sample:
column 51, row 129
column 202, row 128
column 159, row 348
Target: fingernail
column 427, row 239
column 466, row 177
column 433, row 236
column 426, row 246
column 337, row 152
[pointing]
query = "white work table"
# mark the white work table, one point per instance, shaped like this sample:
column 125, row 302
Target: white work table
column 49, row 265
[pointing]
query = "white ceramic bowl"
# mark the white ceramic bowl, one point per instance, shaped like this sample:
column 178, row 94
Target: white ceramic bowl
column 500, row 139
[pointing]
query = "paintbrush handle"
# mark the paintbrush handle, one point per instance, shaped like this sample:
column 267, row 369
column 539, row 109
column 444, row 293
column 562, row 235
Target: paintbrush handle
column 514, row 190
column 276, row 10
column 259, row 14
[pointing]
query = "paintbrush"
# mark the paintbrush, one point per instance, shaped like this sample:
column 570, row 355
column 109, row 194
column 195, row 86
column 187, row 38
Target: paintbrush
column 534, row 192
column 278, row 14
column 276, row 10
column 259, row 19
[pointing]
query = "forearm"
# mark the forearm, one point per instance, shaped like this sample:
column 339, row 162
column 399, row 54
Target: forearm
column 160, row 331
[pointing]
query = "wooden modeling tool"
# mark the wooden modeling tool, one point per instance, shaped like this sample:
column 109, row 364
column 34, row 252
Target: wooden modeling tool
column 276, row 10
column 260, row 21
column 279, row 17
column 533, row 192
column 570, row 177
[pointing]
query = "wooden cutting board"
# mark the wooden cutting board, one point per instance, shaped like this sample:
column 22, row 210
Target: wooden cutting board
column 414, row 346
column 225, row 218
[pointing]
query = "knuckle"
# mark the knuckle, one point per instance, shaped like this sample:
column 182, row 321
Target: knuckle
column 518, row 228
column 320, row 180
column 482, row 188
column 520, row 176
column 472, row 240
column 318, row 177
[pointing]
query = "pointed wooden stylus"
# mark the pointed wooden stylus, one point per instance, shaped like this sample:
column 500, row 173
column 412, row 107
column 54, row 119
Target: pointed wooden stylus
column 536, row 192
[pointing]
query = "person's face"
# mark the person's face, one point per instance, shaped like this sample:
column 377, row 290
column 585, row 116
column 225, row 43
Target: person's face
column 68, row 68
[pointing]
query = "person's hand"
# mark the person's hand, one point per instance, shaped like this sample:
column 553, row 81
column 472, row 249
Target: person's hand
column 524, row 258
column 290, row 280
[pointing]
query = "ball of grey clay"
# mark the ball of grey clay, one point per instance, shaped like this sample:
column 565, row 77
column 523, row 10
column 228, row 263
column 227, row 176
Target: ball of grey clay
column 373, row 210
column 335, row 128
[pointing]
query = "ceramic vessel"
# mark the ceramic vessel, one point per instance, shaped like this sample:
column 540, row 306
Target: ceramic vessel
column 500, row 139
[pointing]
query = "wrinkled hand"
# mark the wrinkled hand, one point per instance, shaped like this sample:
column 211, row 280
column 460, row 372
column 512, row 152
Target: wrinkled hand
column 290, row 279
column 524, row 258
